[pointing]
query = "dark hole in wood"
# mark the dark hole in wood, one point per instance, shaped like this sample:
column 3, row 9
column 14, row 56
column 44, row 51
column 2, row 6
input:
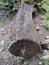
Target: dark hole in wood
column 44, row 46
column 25, row 48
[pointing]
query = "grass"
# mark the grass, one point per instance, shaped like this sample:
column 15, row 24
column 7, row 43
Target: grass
column 15, row 5
column 45, row 61
column 1, row 22
column 28, row 1
column 3, row 3
column 46, row 21
column 45, row 7
column 22, row 60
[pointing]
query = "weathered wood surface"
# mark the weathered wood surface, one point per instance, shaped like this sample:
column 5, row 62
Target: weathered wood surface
column 23, row 26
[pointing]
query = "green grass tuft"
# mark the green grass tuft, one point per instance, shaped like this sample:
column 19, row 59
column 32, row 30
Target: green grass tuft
column 1, row 22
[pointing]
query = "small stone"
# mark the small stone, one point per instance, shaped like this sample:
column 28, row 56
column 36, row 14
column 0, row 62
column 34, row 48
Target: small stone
column 12, row 22
column 46, row 41
column 41, row 24
column 2, row 29
column 47, row 37
column 17, row 58
column 45, row 57
column 2, row 42
column 3, row 11
column 26, row 63
column 46, row 52
column 2, row 49
column 40, row 63
column 37, row 28
column 0, row 13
